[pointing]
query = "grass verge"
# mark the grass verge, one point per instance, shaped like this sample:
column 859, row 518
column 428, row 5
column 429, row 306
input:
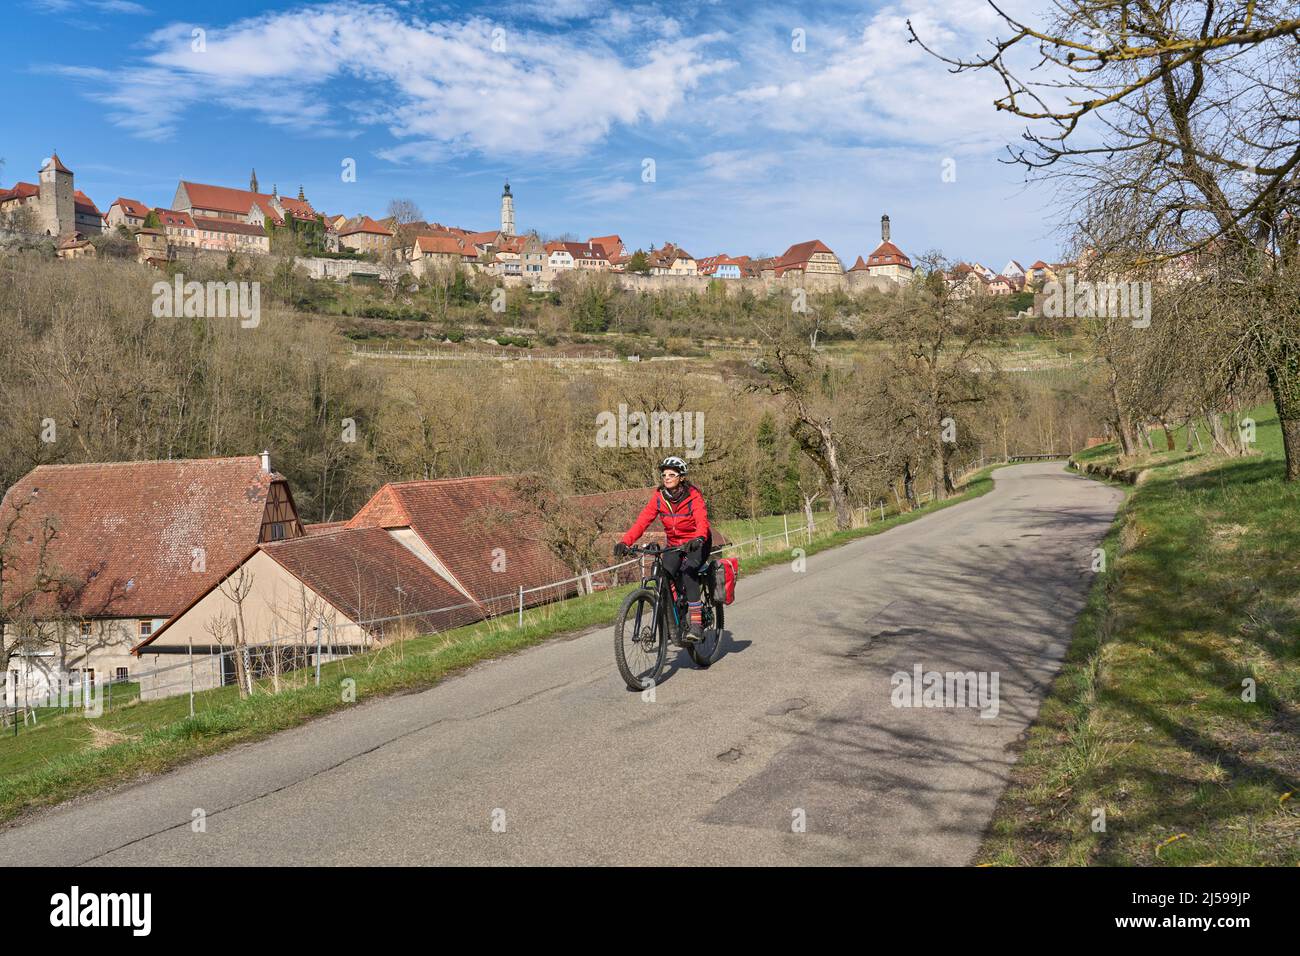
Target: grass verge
column 1171, row 735
column 67, row 756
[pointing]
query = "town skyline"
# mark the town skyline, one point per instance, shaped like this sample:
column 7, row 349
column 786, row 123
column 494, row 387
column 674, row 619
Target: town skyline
column 718, row 184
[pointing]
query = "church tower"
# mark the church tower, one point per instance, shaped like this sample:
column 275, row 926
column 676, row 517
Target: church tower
column 58, row 214
column 252, row 182
column 507, row 212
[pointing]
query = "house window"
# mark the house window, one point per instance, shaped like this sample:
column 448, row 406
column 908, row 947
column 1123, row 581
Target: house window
column 122, row 674
column 146, row 628
column 85, row 629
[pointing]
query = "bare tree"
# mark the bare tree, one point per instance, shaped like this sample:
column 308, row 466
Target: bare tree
column 1172, row 124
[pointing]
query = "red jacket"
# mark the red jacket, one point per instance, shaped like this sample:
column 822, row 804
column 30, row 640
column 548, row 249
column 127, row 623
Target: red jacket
column 687, row 519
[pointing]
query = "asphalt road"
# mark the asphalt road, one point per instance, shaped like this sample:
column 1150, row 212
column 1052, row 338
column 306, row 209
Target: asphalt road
column 545, row 758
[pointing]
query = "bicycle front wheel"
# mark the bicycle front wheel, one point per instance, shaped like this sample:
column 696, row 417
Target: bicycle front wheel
column 704, row 652
column 640, row 644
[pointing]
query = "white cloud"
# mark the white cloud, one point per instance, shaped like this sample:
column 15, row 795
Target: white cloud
column 860, row 80
column 472, row 86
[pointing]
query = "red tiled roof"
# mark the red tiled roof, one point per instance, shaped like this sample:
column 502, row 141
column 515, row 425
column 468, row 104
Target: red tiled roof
column 324, row 527
column 367, row 225
column 465, row 520
column 298, row 208
column 369, row 575
column 888, row 254
column 228, row 225
column 171, row 217
column 132, row 207
column 58, row 164
column 462, row 520
column 222, row 198
column 800, row 254
column 613, row 245
column 83, row 203
column 127, row 531
column 581, row 250
column 20, row 191
column 442, row 245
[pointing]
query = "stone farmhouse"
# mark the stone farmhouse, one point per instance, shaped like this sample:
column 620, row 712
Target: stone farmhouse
column 102, row 555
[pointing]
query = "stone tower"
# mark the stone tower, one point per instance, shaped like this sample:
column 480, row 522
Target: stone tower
column 58, row 214
column 884, row 228
column 252, row 182
column 507, row 212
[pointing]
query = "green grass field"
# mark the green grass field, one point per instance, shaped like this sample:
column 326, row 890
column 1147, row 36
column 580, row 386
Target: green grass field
column 1151, row 721
column 68, row 755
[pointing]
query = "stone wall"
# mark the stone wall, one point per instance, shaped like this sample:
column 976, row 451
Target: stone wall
column 853, row 282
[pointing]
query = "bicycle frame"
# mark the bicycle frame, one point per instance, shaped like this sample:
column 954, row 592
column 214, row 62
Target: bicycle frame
column 661, row 583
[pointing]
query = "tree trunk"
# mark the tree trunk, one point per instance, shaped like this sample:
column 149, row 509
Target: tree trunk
column 909, row 485
column 835, row 478
column 1123, row 426
column 1217, row 435
column 1284, row 382
column 937, row 465
column 1291, row 444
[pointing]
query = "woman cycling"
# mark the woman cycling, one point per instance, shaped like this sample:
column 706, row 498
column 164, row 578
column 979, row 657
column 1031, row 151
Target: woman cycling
column 680, row 506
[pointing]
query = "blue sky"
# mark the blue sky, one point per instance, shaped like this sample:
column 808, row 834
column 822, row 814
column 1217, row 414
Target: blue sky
column 755, row 144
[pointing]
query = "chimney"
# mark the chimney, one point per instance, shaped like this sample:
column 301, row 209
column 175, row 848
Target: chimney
column 884, row 228
column 266, row 461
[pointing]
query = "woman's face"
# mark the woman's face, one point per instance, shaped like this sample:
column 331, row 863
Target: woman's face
column 671, row 479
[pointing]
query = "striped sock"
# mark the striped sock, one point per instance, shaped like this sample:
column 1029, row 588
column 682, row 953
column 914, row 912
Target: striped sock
column 696, row 609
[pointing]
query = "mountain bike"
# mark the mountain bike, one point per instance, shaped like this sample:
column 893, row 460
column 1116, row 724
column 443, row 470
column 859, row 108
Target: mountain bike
column 655, row 615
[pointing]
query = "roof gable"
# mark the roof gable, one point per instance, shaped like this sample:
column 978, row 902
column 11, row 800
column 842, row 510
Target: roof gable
column 138, row 539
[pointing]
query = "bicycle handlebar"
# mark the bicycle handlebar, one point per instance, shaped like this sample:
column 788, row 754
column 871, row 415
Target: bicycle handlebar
column 654, row 548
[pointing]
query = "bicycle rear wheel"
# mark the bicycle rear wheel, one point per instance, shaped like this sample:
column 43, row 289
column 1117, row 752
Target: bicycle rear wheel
column 640, row 641
column 705, row 651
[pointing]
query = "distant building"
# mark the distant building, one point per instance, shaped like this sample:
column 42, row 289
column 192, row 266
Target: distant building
column 229, row 235
column 446, row 250
column 57, row 207
column 811, row 257
column 130, row 213
column 534, row 263
column 1014, row 270
column 671, row 260
column 558, row 255
column 613, row 246
column 719, row 267
column 242, row 205
column 366, row 236
column 587, row 257
column 178, row 229
column 507, row 212
column 887, row 259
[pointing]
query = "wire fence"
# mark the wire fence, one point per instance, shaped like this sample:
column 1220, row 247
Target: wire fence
column 212, row 678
